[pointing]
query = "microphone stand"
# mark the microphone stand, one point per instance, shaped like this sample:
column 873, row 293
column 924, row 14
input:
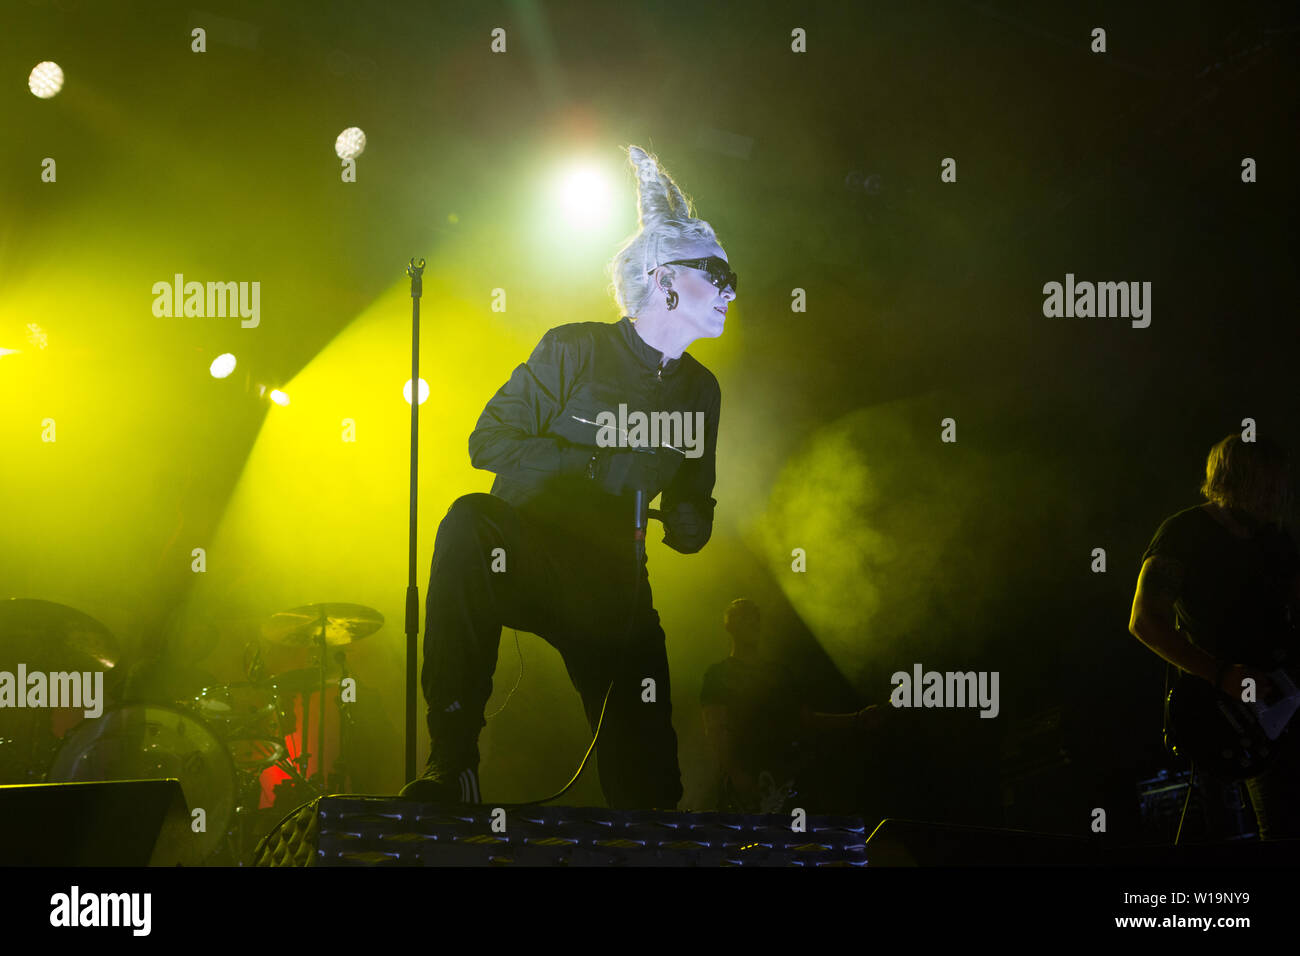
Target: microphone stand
column 638, row 529
column 416, row 271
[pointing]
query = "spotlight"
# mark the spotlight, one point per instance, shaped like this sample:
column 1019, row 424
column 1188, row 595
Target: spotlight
column 585, row 196
column 424, row 391
column 222, row 365
column 350, row 144
column 4, row 352
column 45, row 80
column 279, row 397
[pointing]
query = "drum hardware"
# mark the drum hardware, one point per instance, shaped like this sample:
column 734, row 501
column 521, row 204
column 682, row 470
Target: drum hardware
column 54, row 637
column 339, row 624
column 346, row 727
column 153, row 742
column 217, row 742
column 240, row 708
column 47, row 637
column 302, row 680
column 255, row 754
column 324, row 626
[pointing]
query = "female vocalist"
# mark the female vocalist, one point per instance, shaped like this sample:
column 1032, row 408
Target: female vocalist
column 555, row 549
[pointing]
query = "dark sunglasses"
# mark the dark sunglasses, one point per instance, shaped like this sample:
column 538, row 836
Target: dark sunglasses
column 719, row 270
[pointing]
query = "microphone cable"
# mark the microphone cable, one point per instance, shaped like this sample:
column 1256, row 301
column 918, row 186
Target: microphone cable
column 638, row 537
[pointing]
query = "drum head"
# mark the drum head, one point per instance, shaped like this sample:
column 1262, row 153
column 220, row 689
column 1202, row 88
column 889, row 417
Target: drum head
column 152, row 742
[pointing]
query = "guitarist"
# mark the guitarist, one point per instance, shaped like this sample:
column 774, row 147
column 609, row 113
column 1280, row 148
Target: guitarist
column 1218, row 588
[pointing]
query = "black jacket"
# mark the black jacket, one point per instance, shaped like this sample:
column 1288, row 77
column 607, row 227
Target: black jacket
column 541, row 455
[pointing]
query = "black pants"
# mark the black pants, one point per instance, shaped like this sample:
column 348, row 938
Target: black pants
column 579, row 598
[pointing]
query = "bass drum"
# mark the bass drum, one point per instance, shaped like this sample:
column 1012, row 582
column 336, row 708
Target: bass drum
column 152, row 742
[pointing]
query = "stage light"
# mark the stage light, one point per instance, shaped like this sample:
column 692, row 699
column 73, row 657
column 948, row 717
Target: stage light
column 4, row 352
column 222, row 365
column 424, row 391
column 45, row 80
column 585, row 195
column 350, row 144
column 279, row 397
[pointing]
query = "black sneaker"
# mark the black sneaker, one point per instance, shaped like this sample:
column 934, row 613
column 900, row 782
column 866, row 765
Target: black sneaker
column 437, row 786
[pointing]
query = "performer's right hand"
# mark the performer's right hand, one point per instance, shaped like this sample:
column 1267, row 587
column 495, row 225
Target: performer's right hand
column 1265, row 690
column 621, row 471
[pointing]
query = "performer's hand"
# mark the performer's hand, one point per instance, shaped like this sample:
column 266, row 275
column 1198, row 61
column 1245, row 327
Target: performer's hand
column 621, row 471
column 1265, row 690
column 685, row 528
column 869, row 719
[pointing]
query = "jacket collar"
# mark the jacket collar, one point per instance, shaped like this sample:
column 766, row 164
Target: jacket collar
column 649, row 356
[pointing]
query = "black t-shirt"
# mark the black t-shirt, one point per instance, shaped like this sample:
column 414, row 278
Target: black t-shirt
column 763, row 712
column 1234, row 595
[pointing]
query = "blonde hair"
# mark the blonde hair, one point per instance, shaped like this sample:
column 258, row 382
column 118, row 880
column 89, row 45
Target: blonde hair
column 1252, row 476
column 667, row 230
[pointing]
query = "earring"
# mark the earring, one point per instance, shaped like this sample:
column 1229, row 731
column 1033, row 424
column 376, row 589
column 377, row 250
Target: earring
column 672, row 300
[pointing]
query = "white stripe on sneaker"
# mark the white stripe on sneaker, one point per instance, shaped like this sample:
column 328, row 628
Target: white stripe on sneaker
column 469, row 787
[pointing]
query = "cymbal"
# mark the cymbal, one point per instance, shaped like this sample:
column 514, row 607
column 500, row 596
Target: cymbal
column 54, row 637
column 301, row 627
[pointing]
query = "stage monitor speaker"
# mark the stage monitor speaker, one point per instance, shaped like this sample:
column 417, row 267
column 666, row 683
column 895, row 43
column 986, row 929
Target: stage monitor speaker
column 116, row 823
column 913, row 843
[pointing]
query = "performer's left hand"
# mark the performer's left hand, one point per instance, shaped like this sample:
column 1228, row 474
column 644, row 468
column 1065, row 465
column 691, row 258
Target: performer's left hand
column 686, row 530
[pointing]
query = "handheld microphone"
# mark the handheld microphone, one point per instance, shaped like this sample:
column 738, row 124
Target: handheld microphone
column 638, row 530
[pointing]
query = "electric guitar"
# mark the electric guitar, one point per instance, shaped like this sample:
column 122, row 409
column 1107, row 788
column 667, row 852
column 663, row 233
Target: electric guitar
column 1224, row 735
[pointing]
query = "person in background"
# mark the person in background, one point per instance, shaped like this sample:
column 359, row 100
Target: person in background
column 757, row 727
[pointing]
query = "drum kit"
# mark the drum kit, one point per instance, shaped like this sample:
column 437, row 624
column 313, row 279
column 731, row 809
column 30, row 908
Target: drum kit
column 218, row 741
